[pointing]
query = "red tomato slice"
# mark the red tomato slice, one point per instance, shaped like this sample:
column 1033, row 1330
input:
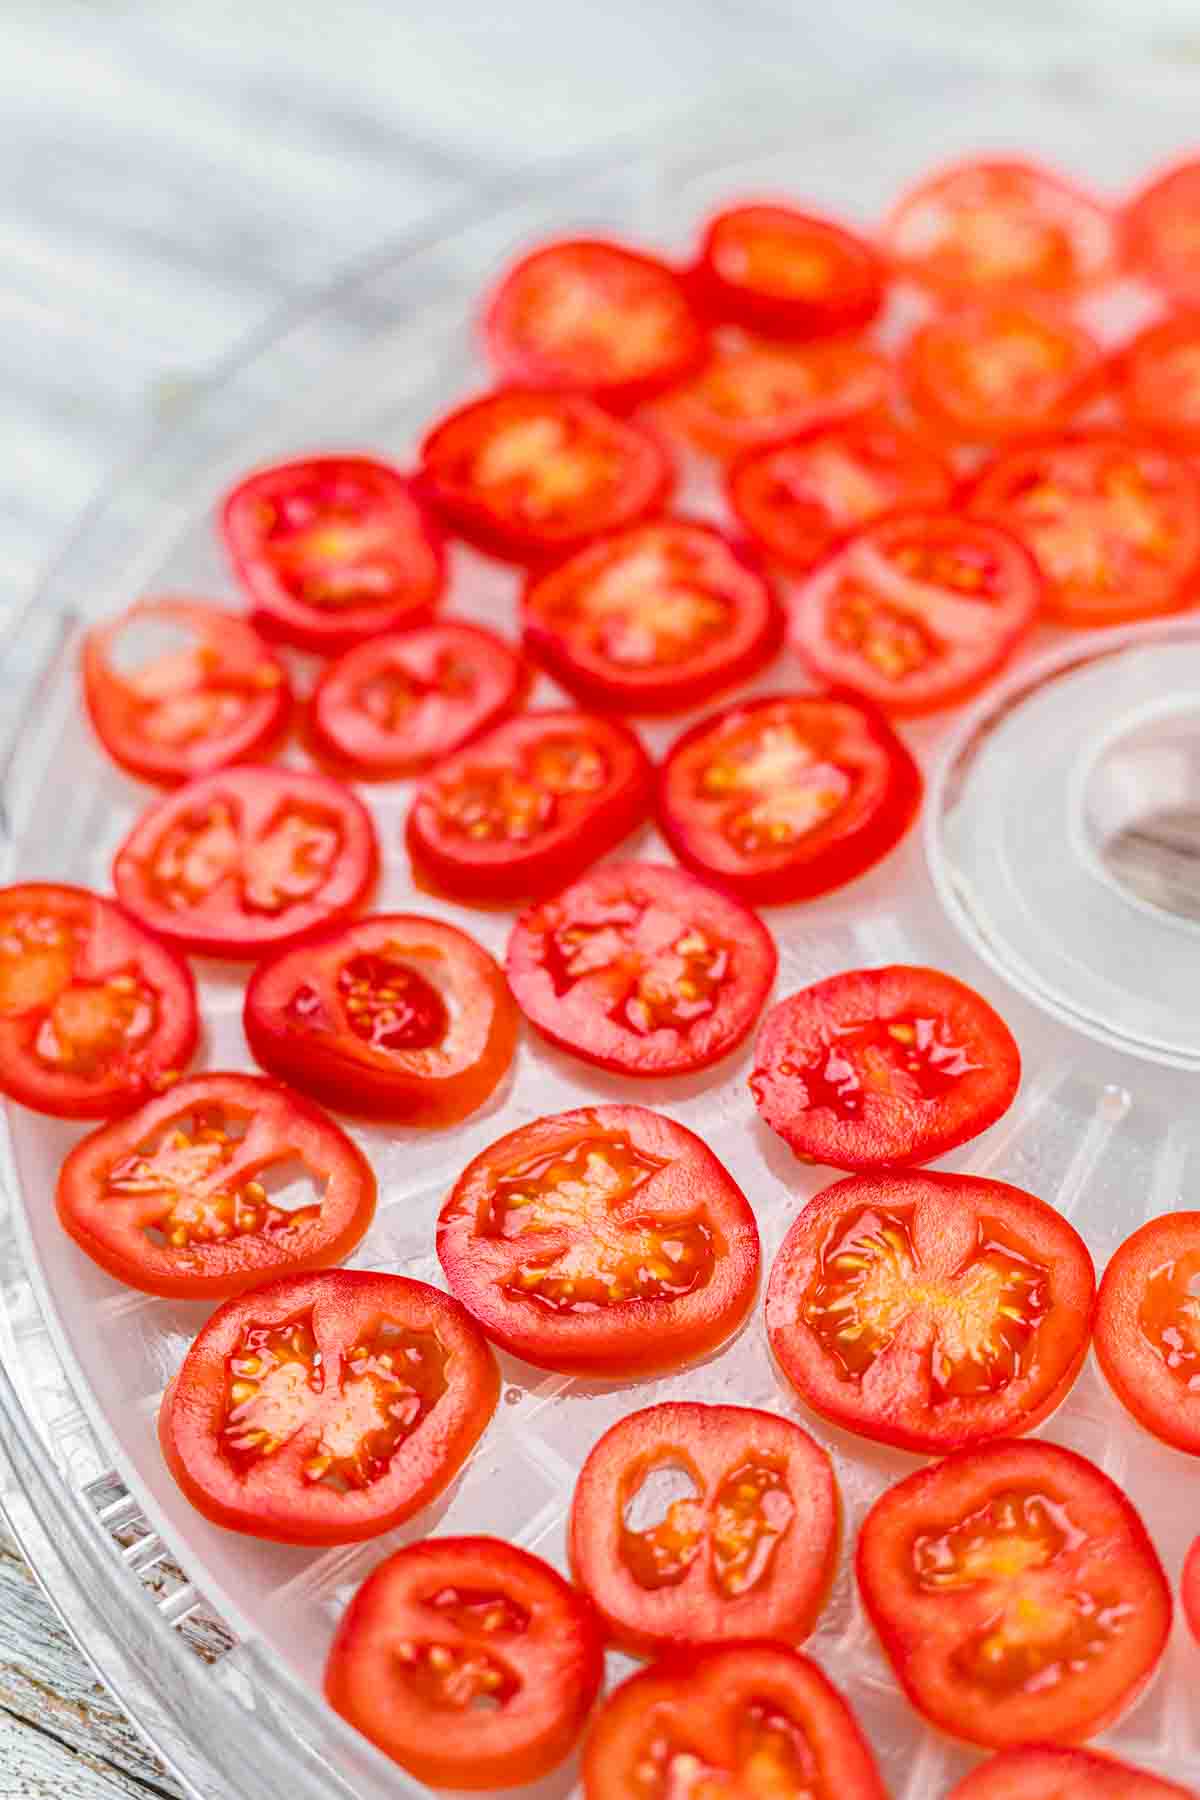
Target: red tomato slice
column 392, row 1017
column 787, row 273
column 749, row 1552
column 607, row 1241
column 747, row 395
column 96, row 1015
column 1191, row 1589
column 995, row 372
column 642, row 969
column 917, row 611
column 332, row 550
column 529, row 806
column 1161, row 231
column 212, row 694
column 787, row 797
column 1052, row 1772
column 1158, row 375
column 468, row 1661
column 656, row 619
column 883, row 1068
column 1016, row 1594
column 242, row 861
column 1147, row 1334
column 173, row 1199
column 326, row 1408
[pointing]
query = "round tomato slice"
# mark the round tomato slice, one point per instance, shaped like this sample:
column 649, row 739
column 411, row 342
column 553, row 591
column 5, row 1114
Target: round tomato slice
column 749, row 1551
column 471, row 1663
column 607, row 1241
column 391, row 1017
column 784, row 798
column 332, row 550
column 752, row 394
column 96, row 1015
column 1159, row 380
column 654, row 620
column 1053, row 1772
column 1147, row 1331
column 239, row 862
column 786, row 273
column 175, row 1199
column 736, row 1719
column 325, row 1408
column 642, row 969
column 1161, row 231
column 1016, row 1594
column 917, row 611
column 995, row 372
column 1191, row 1589
column 882, row 1068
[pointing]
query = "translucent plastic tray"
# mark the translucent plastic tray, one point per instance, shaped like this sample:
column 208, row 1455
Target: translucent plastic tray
column 216, row 1642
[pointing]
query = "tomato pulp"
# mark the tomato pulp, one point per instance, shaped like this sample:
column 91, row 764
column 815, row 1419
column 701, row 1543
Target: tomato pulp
column 748, row 394
column 1191, row 1589
column 1148, row 1328
column 1052, row 1772
column 1161, row 231
column 787, row 273
column 1158, row 380
column 992, row 373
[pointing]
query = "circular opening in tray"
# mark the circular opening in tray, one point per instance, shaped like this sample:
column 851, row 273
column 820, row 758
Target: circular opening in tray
column 1141, row 810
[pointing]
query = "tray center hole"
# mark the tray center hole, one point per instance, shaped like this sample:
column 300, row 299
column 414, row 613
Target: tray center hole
column 1141, row 811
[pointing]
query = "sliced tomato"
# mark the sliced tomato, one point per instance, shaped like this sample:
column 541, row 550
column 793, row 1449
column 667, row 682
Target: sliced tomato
column 787, row 273
column 1161, row 231
column 607, row 1241
column 1053, row 1772
column 239, row 862
column 994, row 372
column 1191, row 1589
column 471, row 1663
column 1016, row 1594
column 1158, row 377
column 917, row 611
column 326, row 1408
column 1147, row 1331
column 749, row 394
column 391, row 1017
column 332, row 550
column 787, row 797
column 96, row 1015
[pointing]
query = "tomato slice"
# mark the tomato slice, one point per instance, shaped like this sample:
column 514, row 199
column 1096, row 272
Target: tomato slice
column 529, row 806
column 607, row 1241
column 1016, row 1594
column 1158, row 375
column 174, row 1199
column 326, row 1408
column 749, row 394
column 1161, row 231
column 787, row 273
column 96, row 1015
column 1191, row 1589
column 917, row 611
column 787, row 797
column 1053, row 1772
column 750, row 1551
column 642, row 969
column 241, row 861
column 332, row 550
column 1148, row 1328
column 883, row 1068
column 471, row 1663
column 654, row 619
column 391, row 1017
column 992, row 373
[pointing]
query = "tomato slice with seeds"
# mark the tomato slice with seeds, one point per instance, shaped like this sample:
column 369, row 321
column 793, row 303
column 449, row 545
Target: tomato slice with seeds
column 1054, row 1772
column 332, row 550
column 787, row 273
column 1016, row 1594
column 787, row 797
column 1148, row 1327
column 1158, row 378
column 750, row 394
column 607, row 1241
column 1161, row 231
column 391, row 1017
column 471, row 1663
column 992, row 373
column 326, row 1408
column 1191, row 1589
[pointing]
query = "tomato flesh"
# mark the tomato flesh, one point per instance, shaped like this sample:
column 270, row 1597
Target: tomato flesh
column 1052, row 1772
column 1158, row 377
column 786, row 273
column 994, row 373
column 1161, row 232
column 752, row 394
column 1191, row 1589
column 1148, row 1327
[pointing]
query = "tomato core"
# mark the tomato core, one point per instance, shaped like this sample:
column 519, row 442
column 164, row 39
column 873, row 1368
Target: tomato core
column 290, row 862
column 1169, row 1317
column 390, row 1004
column 670, row 986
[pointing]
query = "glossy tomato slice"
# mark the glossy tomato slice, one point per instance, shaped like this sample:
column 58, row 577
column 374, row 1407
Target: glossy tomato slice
column 607, row 1241
column 241, row 861
column 749, row 394
column 917, row 611
column 991, row 373
column 748, row 1551
column 642, row 969
column 391, row 1017
column 1053, row 1772
column 332, row 550
column 529, row 806
column 1147, row 1329
column 471, row 1663
column 187, row 1196
column 881, row 1068
column 787, row 797
column 1158, row 378
column 787, row 273
column 1016, row 1594
column 1161, row 231
column 1191, row 1589
column 96, row 1015
column 326, row 1408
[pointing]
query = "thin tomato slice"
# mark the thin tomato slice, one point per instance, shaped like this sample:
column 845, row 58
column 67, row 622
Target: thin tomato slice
column 326, row 1408
column 1147, row 1329
column 787, row 273
column 607, row 1241
column 1053, row 1772
column 1191, row 1589
column 471, row 1663
column 1161, row 232
column 991, row 373
column 749, row 394
column 1016, row 1594
column 1158, row 378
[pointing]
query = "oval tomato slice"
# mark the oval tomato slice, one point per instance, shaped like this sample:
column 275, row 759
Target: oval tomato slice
column 1161, row 230
column 752, row 394
column 748, row 1552
column 1158, row 376
column 1147, row 1332
column 607, row 1241
column 642, row 969
column 787, row 273
column 917, row 611
column 174, row 1199
column 656, row 619
column 96, row 1015
column 783, row 798
column 1191, row 1589
column 989, row 374
column 241, row 861
column 471, row 1663
column 326, row 1408
column 332, row 550
column 391, row 1017
column 1052, row 1772
column 1016, row 1594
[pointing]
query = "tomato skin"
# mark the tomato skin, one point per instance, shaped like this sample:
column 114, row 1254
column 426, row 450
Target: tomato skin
column 1158, row 381
column 1157, row 231
column 843, row 292
column 1191, row 1589
column 1052, row 1772
column 751, row 394
column 1135, row 1366
column 953, row 389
